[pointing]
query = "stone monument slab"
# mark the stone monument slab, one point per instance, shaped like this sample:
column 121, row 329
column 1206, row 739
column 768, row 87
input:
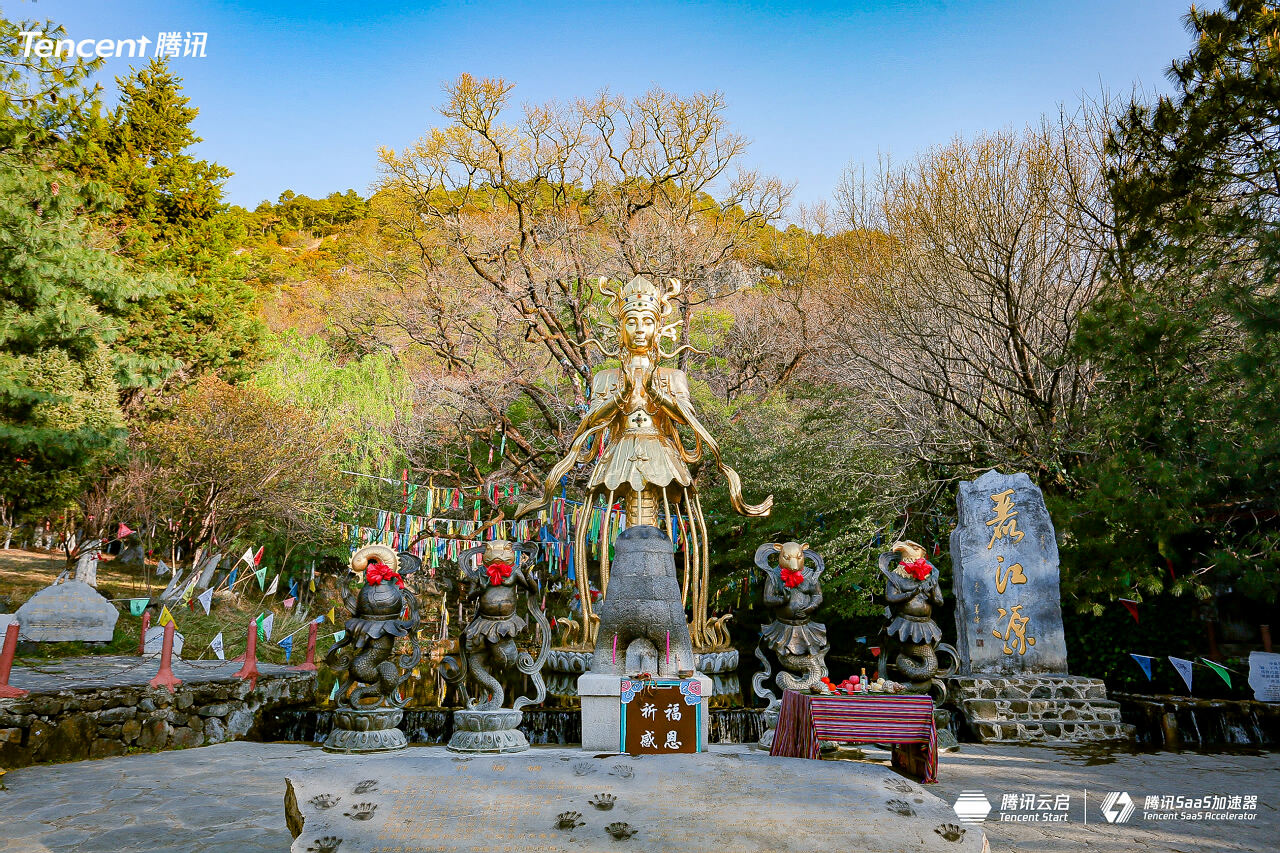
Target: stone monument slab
column 171, row 590
column 67, row 612
column 1005, row 558
column 210, row 566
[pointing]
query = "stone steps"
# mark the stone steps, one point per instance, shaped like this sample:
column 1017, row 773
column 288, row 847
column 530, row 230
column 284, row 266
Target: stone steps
column 1034, row 710
column 964, row 687
column 1044, row 731
column 1037, row 709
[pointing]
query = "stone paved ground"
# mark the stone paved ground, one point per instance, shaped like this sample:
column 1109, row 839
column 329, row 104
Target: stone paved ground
column 1001, row 769
column 230, row 797
column 226, row 797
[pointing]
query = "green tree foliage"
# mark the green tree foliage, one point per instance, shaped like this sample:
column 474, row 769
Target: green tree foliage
column 64, row 303
column 42, row 99
column 1178, row 486
column 322, row 214
column 170, row 216
column 66, row 297
column 362, row 400
column 794, row 447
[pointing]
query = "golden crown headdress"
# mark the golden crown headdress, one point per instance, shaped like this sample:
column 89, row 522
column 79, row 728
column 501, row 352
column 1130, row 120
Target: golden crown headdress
column 640, row 294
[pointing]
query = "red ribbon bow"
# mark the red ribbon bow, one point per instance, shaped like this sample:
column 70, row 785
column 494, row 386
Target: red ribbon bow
column 918, row 569
column 792, row 578
column 376, row 573
column 498, row 572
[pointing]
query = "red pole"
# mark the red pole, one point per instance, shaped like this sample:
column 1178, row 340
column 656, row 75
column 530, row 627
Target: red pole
column 309, row 665
column 250, row 668
column 146, row 626
column 6, row 663
column 165, row 677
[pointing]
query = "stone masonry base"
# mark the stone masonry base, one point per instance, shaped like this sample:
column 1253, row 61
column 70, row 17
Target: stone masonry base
column 1037, row 709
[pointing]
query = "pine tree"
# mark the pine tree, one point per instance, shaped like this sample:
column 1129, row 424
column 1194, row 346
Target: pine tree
column 44, row 101
column 1182, row 488
column 62, row 308
column 170, row 216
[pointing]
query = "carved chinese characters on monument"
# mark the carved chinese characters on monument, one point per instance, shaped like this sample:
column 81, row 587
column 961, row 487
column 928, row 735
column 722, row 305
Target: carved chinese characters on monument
column 1008, row 607
column 658, row 717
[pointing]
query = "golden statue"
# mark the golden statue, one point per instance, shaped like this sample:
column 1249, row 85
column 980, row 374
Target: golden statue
column 631, row 423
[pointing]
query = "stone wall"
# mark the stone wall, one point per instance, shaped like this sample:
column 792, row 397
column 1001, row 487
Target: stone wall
column 69, row 725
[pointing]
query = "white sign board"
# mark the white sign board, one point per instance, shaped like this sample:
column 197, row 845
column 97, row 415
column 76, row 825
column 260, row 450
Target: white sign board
column 1264, row 676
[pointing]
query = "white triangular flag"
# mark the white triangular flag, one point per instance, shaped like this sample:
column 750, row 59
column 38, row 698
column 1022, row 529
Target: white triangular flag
column 247, row 556
column 205, row 598
column 275, row 583
column 217, row 646
column 161, row 569
column 268, row 623
column 1183, row 666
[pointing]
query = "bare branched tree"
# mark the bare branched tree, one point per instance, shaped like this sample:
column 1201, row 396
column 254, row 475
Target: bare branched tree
column 492, row 235
column 964, row 274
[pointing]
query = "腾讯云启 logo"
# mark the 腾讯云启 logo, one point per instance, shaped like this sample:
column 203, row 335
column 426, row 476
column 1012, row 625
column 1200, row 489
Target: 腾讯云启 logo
column 972, row 807
column 1117, row 807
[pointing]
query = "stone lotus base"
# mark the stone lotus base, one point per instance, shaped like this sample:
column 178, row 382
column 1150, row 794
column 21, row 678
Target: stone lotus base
column 487, row 732
column 373, row 730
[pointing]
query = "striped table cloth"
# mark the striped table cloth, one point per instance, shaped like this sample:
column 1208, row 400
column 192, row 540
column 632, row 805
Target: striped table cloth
column 906, row 721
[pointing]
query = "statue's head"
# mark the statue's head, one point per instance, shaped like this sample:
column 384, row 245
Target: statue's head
column 791, row 555
column 371, row 554
column 643, row 314
column 499, row 551
column 642, row 305
column 913, row 560
column 909, row 551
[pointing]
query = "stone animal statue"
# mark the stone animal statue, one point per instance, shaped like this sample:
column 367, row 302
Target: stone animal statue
column 792, row 591
column 381, row 613
column 911, row 591
column 487, row 645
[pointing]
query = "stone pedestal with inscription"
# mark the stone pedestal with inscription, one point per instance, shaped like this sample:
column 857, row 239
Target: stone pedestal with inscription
column 601, row 696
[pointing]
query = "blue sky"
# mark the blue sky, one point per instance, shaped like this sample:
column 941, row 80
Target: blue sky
column 299, row 95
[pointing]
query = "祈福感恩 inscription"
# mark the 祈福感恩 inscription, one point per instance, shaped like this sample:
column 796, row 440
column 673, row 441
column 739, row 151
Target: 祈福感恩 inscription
column 1005, row 557
column 657, row 717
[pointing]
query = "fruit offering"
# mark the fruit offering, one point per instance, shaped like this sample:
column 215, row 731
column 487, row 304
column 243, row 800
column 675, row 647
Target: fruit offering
column 857, row 684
